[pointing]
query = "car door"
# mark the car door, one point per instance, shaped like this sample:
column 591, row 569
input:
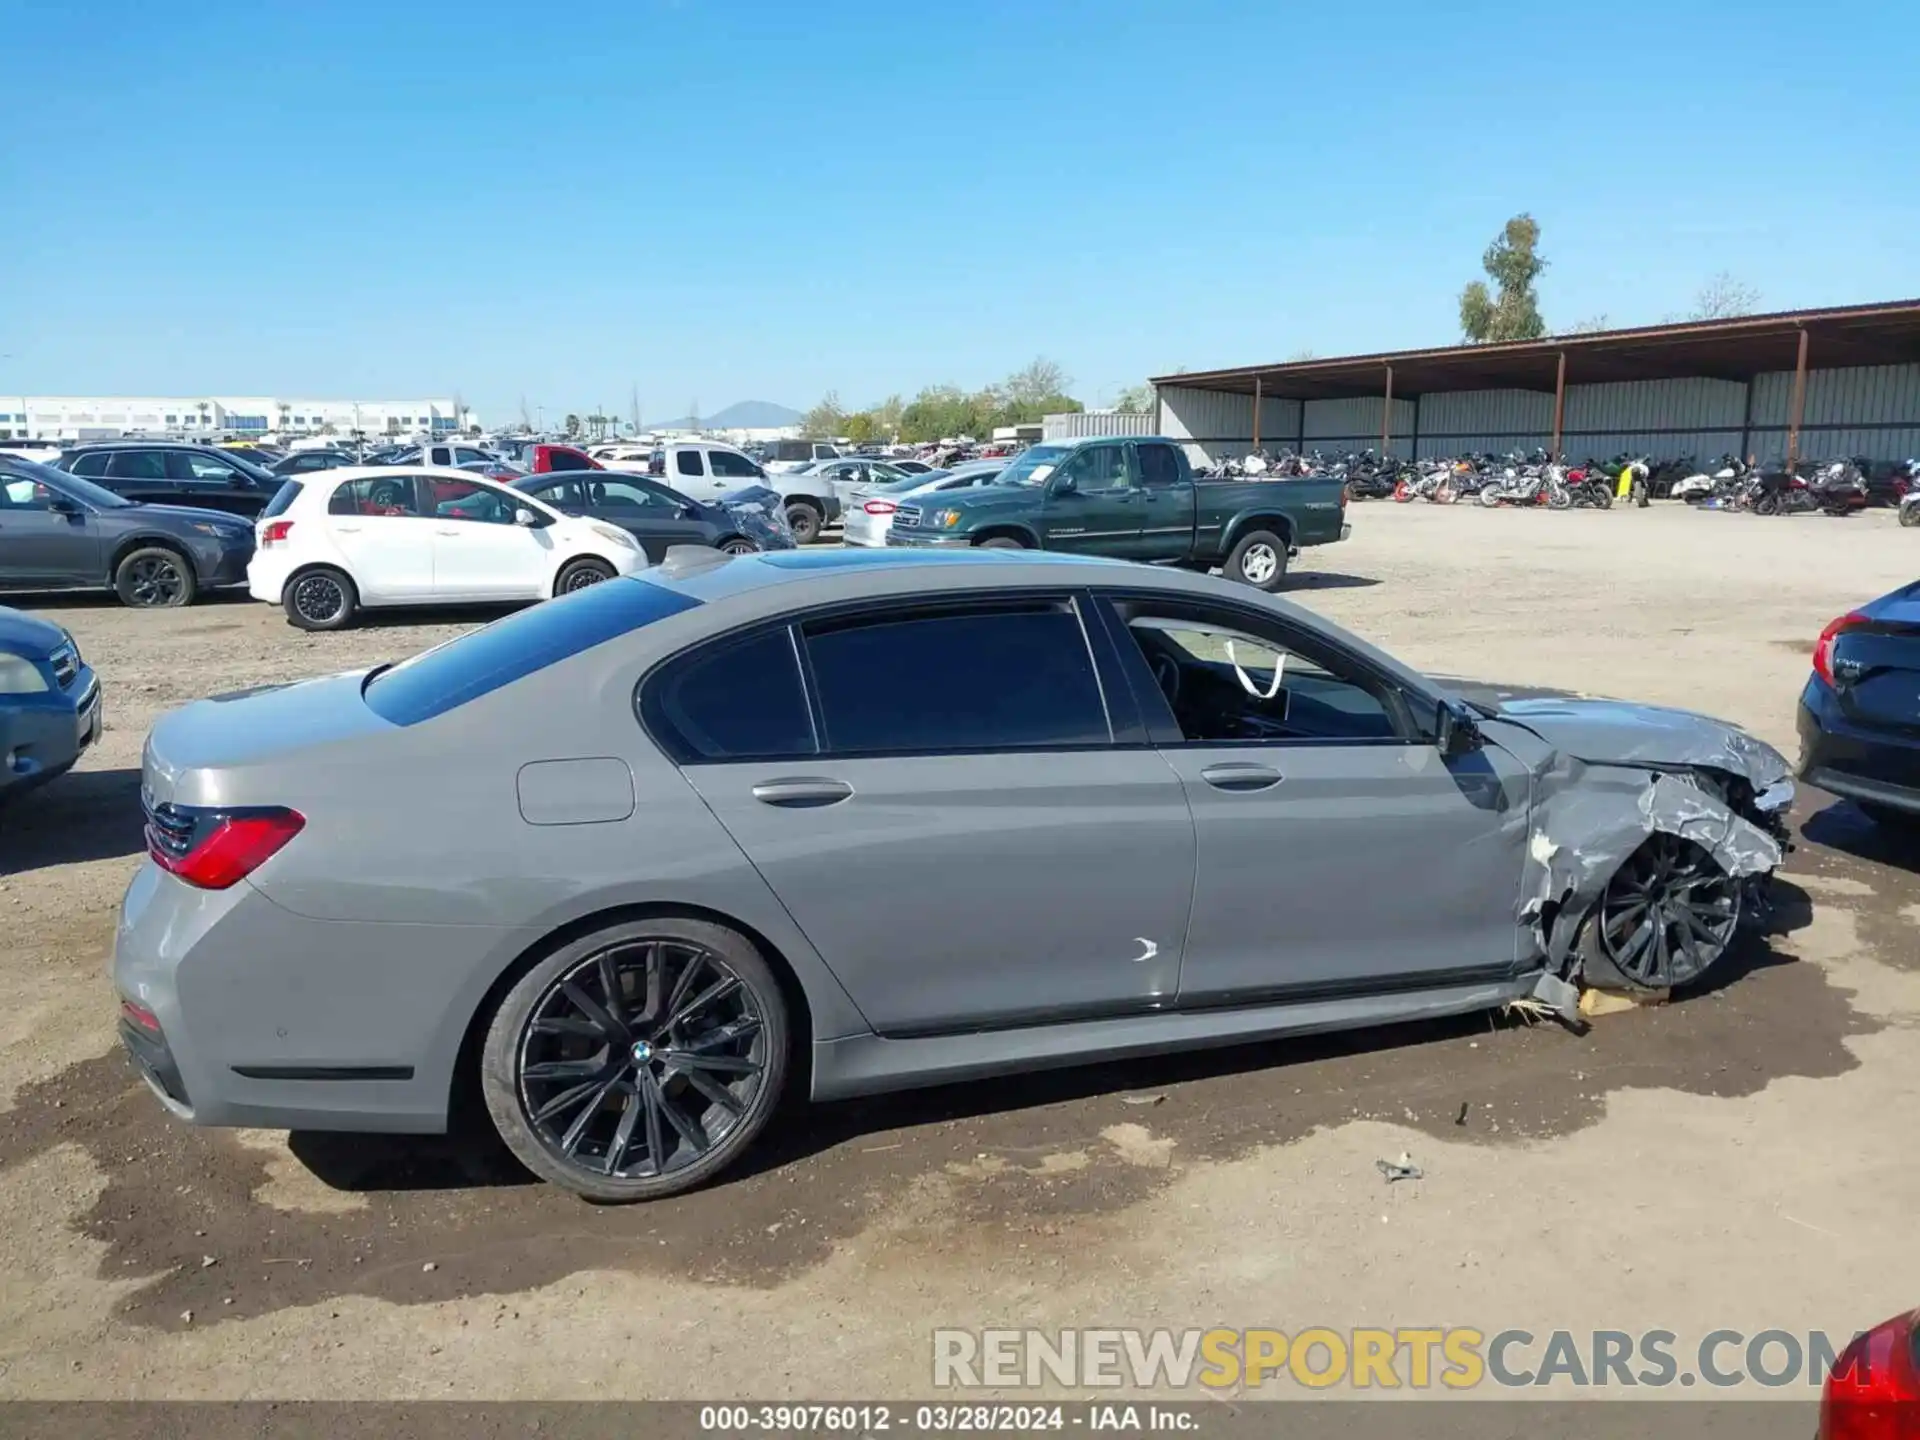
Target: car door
column 46, row 539
column 1092, row 505
column 1339, row 852
column 1166, row 503
column 965, row 847
column 690, row 474
column 135, row 474
column 377, row 526
column 479, row 553
column 212, row 482
column 652, row 514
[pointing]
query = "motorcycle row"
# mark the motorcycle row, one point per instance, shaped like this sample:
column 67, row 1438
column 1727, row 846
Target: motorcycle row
column 1831, row 487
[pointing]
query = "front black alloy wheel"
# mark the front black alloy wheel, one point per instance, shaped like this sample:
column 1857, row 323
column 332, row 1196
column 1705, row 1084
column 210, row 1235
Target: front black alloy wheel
column 154, row 578
column 1667, row 914
column 639, row 1062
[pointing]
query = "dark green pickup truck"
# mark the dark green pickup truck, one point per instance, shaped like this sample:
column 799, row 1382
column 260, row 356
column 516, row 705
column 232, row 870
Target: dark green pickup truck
column 1135, row 499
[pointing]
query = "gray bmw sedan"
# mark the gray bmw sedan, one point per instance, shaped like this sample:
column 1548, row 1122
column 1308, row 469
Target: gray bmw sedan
column 594, row 856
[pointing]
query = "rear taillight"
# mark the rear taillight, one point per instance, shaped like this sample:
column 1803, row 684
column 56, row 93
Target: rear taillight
column 141, row 1016
column 1823, row 647
column 1874, row 1390
column 217, row 849
column 275, row 532
column 879, row 507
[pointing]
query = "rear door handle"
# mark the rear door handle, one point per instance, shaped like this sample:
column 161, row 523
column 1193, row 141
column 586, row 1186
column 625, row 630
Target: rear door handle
column 347, row 529
column 802, row 792
column 446, row 532
column 1240, row 777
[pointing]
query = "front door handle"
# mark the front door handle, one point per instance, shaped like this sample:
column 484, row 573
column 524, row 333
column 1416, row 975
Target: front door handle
column 347, row 529
column 802, row 792
column 1240, row 777
column 446, row 532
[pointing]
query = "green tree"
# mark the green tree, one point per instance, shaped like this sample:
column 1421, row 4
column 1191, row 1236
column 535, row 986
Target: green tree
column 886, row 417
column 572, row 426
column 827, row 418
column 1136, row 399
column 1512, row 262
column 860, row 428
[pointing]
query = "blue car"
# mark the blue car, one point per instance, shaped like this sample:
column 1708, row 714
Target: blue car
column 49, row 703
column 1860, row 712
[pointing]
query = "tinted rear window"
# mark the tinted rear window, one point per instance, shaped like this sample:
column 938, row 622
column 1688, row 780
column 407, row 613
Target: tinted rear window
column 282, row 500
column 476, row 664
column 1014, row 677
column 734, row 700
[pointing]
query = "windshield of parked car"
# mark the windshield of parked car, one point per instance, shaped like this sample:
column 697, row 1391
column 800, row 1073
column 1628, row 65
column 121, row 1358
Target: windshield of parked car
column 1034, row 465
column 31, row 472
column 253, row 469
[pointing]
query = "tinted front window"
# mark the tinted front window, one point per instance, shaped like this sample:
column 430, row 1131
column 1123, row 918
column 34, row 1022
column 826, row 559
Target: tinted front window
column 475, row 664
column 735, row 700
column 1015, row 677
column 687, row 462
column 204, row 468
column 729, row 466
column 137, row 465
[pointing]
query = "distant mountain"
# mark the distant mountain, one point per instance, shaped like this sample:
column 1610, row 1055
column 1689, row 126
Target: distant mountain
column 745, row 415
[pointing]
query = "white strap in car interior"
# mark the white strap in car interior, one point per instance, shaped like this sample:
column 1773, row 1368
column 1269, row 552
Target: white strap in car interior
column 1246, row 680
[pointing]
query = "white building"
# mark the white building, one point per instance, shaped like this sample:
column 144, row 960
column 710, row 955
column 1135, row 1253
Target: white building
column 51, row 417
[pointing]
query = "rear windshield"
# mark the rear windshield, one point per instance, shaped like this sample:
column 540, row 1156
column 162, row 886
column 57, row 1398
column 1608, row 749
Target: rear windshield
column 282, row 500
column 480, row 662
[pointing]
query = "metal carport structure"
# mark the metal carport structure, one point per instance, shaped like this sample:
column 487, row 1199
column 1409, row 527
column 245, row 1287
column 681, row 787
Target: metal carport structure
column 1732, row 381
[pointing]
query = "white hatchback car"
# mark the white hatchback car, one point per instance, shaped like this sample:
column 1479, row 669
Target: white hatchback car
column 329, row 544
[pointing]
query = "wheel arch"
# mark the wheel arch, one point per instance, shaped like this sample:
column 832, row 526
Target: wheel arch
column 464, row 1102
column 553, row 586
column 1006, row 530
column 148, row 540
column 1275, row 520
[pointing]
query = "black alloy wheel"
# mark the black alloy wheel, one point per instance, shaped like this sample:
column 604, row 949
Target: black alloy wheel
column 154, row 579
column 641, row 1063
column 320, row 600
column 1667, row 914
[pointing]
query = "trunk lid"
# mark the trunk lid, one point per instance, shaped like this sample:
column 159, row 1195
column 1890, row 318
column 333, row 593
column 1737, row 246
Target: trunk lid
column 1876, row 663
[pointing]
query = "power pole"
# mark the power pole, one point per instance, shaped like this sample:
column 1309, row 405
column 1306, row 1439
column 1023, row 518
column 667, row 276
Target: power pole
column 636, row 409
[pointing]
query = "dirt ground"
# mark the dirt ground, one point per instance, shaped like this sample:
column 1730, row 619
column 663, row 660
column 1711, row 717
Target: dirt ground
column 1739, row 1159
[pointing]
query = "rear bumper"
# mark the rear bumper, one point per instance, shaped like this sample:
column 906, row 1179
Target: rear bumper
column 1839, row 755
column 267, row 573
column 928, row 540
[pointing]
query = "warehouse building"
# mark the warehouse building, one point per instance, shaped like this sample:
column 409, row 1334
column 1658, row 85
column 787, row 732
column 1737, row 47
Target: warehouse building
column 1797, row 384
column 45, row 417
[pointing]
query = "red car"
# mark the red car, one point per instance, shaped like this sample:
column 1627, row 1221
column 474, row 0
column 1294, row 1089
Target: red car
column 548, row 458
column 1874, row 1390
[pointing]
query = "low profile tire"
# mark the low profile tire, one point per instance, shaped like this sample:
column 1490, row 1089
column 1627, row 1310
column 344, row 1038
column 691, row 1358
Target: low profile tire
column 1000, row 542
column 738, row 545
column 1666, row 916
column 323, row 599
column 581, row 575
column 805, row 521
column 155, row 577
column 639, row 1061
column 1258, row 559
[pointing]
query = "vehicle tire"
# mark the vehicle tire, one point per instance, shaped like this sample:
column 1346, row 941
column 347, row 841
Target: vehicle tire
column 155, row 577
column 580, row 574
column 1259, row 559
column 1000, row 542
column 1487, row 495
column 737, row 545
column 1693, row 906
column 617, row 1102
column 1602, row 496
column 1767, row 505
column 805, row 520
column 322, row 599
column 1909, row 516
column 1559, row 498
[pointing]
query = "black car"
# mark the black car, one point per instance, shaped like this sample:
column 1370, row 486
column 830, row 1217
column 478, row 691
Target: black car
column 1860, row 713
column 59, row 531
column 174, row 473
column 308, row 462
column 658, row 516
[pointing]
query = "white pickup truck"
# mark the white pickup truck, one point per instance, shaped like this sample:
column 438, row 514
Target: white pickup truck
column 702, row 470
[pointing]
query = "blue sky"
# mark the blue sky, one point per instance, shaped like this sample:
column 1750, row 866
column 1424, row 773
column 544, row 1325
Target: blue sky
column 716, row 200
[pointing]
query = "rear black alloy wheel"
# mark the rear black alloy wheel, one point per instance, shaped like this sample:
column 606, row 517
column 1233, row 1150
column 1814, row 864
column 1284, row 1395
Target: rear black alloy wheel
column 321, row 600
column 154, row 578
column 639, row 1062
column 1668, row 913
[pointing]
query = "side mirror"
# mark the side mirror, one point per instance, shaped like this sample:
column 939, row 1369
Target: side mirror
column 1456, row 729
column 525, row 517
column 61, row 505
column 1066, row 485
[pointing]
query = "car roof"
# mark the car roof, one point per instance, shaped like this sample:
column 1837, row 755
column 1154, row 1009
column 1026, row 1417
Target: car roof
column 134, row 442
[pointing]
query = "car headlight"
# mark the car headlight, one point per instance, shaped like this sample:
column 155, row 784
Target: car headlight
column 20, row 676
column 614, row 535
column 946, row 519
column 218, row 532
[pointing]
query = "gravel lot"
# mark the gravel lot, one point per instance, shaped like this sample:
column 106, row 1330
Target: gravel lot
column 1741, row 1159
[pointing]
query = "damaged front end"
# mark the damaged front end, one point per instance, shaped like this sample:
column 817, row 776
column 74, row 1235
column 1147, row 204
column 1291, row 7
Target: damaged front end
column 1655, row 835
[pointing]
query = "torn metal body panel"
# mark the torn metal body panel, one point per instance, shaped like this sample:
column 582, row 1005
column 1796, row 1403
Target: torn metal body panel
column 1610, row 775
